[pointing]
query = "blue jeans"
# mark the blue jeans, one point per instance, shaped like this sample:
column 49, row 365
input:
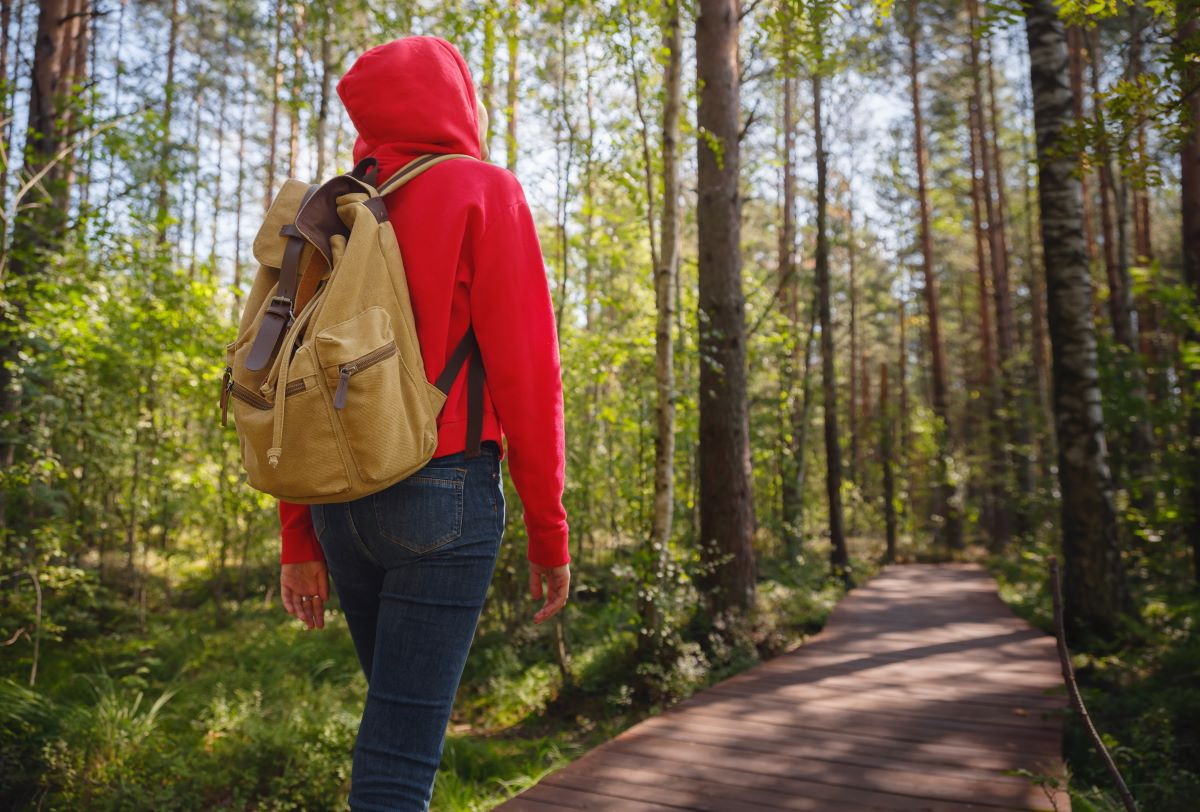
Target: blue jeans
column 411, row 566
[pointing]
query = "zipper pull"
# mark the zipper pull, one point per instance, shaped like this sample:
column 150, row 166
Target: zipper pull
column 339, row 397
column 226, row 388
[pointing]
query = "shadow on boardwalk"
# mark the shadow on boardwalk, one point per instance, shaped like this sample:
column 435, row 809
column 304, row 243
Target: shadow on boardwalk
column 923, row 692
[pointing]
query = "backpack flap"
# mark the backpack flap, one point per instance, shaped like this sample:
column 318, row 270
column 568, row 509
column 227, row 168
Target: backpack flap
column 269, row 244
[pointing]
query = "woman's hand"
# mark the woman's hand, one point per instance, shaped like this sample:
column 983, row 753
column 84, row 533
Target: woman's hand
column 304, row 587
column 558, row 582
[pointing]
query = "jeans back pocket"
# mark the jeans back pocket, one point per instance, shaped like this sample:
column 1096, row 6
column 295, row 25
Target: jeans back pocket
column 424, row 511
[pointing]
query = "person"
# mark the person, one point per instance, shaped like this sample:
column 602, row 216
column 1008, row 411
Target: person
column 411, row 563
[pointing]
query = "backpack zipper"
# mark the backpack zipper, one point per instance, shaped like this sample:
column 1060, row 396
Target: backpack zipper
column 247, row 395
column 358, row 365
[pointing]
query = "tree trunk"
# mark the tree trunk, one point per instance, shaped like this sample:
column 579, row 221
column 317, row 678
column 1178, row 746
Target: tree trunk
column 298, row 91
column 1075, row 51
column 995, row 508
column 488, row 84
column 1094, row 581
column 38, row 229
column 664, row 347
column 327, row 68
column 888, row 462
column 276, row 95
column 1120, row 304
column 1189, row 187
column 855, row 414
column 1016, row 427
column 510, row 104
column 792, row 461
column 948, row 527
column 6, row 87
column 1036, row 283
column 726, row 498
column 995, row 513
column 839, row 560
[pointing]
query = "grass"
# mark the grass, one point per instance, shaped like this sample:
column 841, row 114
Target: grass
column 243, row 709
column 1141, row 691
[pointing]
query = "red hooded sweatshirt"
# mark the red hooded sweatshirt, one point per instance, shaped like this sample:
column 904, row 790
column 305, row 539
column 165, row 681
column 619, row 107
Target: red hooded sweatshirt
column 472, row 257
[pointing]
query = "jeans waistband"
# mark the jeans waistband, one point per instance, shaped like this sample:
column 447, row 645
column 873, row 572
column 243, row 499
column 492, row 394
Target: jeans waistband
column 488, row 448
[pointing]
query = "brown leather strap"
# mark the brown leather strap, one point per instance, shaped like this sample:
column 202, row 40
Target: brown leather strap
column 311, row 279
column 464, row 350
column 280, row 313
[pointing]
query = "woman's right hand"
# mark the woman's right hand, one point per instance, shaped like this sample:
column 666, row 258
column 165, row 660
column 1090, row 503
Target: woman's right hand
column 558, row 583
column 308, row 580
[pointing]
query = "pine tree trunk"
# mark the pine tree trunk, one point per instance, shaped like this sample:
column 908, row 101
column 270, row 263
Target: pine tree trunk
column 297, row 94
column 510, row 103
column 327, row 68
column 1094, row 581
column 488, row 83
column 163, row 172
column 1189, row 188
column 1119, row 302
column 791, row 497
column 948, row 527
column 1075, row 51
column 6, row 87
column 888, row 462
column 988, row 257
column 664, row 347
column 839, row 559
column 1016, row 427
column 855, row 415
column 994, row 507
column 38, row 230
column 726, row 498
column 276, row 96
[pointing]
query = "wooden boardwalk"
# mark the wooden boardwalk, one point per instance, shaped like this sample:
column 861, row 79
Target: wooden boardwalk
column 923, row 692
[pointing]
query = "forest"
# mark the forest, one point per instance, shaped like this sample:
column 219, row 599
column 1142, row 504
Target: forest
column 837, row 284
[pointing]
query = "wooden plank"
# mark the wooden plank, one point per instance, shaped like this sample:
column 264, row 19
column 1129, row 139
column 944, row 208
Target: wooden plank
column 832, row 745
column 997, row 791
column 923, row 692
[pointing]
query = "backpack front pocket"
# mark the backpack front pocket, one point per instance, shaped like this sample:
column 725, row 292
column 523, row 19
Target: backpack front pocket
column 364, row 371
column 311, row 465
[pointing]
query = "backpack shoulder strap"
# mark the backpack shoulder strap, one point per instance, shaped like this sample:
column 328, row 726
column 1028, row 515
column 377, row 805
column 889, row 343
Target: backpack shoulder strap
column 467, row 352
column 415, row 167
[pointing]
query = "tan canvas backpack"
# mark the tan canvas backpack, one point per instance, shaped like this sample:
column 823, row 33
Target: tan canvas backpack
column 327, row 386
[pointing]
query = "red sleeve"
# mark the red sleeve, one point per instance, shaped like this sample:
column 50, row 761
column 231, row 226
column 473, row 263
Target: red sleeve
column 513, row 317
column 299, row 539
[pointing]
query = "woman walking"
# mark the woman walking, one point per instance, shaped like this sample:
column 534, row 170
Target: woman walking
column 412, row 563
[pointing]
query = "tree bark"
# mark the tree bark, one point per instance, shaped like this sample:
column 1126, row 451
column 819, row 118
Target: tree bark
column 792, row 461
column 839, row 560
column 855, row 413
column 510, row 104
column 996, row 513
column 1120, row 303
column 948, row 527
column 297, row 95
column 888, row 462
column 1075, row 49
column 1095, row 587
column 726, row 498
column 276, row 95
column 488, row 85
column 651, row 640
column 1189, row 187
column 327, row 68
column 38, row 229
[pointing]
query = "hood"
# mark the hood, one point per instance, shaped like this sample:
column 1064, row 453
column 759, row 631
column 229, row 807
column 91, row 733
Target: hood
column 409, row 97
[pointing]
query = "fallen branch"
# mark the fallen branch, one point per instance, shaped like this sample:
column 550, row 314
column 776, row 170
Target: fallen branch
column 1064, row 658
